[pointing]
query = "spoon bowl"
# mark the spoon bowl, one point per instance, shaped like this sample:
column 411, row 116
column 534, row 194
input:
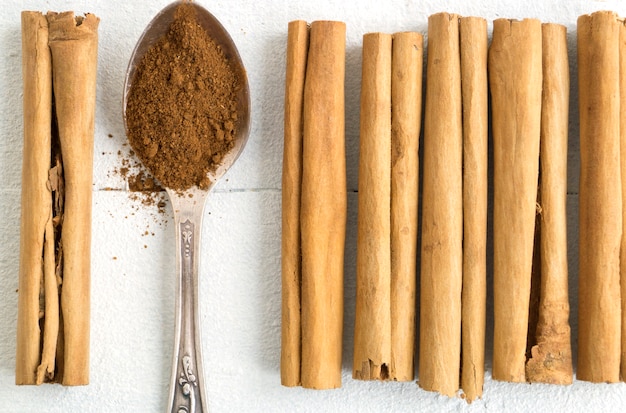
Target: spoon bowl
column 156, row 29
column 187, row 390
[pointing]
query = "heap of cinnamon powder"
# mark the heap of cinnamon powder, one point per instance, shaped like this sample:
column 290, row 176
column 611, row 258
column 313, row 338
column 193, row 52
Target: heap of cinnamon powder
column 181, row 110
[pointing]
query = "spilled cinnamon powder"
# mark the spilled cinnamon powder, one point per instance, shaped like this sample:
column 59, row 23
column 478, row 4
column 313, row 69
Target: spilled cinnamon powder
column 181, row 108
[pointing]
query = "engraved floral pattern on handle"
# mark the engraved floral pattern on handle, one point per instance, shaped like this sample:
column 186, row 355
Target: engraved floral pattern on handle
column 187, row 234
column 187, row 391
column 187, row 379
column 188, row 384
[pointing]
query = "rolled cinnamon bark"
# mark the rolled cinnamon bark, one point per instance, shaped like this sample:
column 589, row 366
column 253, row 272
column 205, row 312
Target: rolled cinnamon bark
column 515, row 78
column 406, row 110
column 297, row 48
column 442, row 211
column 323, row 206
column 551, row 357
column 74, row 45
column 473, row 35
column 56, row 193
column 622, row 94
column 372, row 329
column 600, row 199
column 388, row 180
column 36, row 201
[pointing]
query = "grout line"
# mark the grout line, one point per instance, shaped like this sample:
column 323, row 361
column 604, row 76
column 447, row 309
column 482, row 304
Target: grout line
column 221, row 191
column 233, row 190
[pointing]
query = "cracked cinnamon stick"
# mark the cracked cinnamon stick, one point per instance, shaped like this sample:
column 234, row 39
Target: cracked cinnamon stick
column 600, row 199
column 442, row 211
column 372, row 329
column 36, row 197
column 515, row 78
column 551, row 357
column 473, row 35
column 59, row 52
column 74, row 45
column 387, row 224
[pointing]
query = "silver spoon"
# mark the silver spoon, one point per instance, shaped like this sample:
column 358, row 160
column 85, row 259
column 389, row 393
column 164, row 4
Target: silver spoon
column 187, row 390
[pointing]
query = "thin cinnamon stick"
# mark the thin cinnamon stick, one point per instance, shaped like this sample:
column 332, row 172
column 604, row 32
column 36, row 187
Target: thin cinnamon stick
column 600, row 205
column 622, row 131
column 442, row 211
column 372, row 329
column 515, row 78
column 323, row 206
column 551, row 357
column 36, row 198
column 297, row 47
column 406, row 110
column 73, row 45
column 473, row 35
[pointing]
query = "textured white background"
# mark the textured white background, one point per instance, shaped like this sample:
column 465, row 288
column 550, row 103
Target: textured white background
column 132, row 253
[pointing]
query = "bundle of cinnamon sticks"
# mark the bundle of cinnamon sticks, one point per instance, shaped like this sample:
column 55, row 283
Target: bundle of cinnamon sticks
column 525, row 71
column 59, row 57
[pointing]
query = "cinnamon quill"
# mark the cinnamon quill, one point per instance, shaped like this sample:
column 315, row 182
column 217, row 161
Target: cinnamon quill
column 442, row 211
column 473, row 37
column 600, row 199
column 515, row 79
column 551, row 358
column 311, row 353
column 60, row 52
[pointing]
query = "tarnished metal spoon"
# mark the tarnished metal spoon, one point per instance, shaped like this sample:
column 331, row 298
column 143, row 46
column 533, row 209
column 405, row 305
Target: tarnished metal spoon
column 187, row 392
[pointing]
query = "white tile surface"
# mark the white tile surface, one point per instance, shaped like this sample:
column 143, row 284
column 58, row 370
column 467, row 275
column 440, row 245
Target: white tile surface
column 132, row 273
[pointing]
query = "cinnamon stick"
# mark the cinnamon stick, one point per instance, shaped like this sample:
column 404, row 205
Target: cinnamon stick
column 442, row 211
column 372, row 329
column 36, row 197
column 323, row 206
column 473, row 37
column 73, row 45
column 622, row 131
column 297, row 47
column 53, row 304
column 515, row 78
column 551, row 357
column 387, row 224
column 406, row 110
column 600, row 205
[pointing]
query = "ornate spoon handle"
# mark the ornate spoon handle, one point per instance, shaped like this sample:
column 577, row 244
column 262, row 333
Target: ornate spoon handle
column 187, row 393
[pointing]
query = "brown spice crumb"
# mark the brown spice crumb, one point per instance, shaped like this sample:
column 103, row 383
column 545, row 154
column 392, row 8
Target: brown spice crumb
column 181, row 111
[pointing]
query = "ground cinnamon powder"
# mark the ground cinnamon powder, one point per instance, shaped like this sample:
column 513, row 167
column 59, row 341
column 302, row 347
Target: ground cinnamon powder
column 181, row 108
